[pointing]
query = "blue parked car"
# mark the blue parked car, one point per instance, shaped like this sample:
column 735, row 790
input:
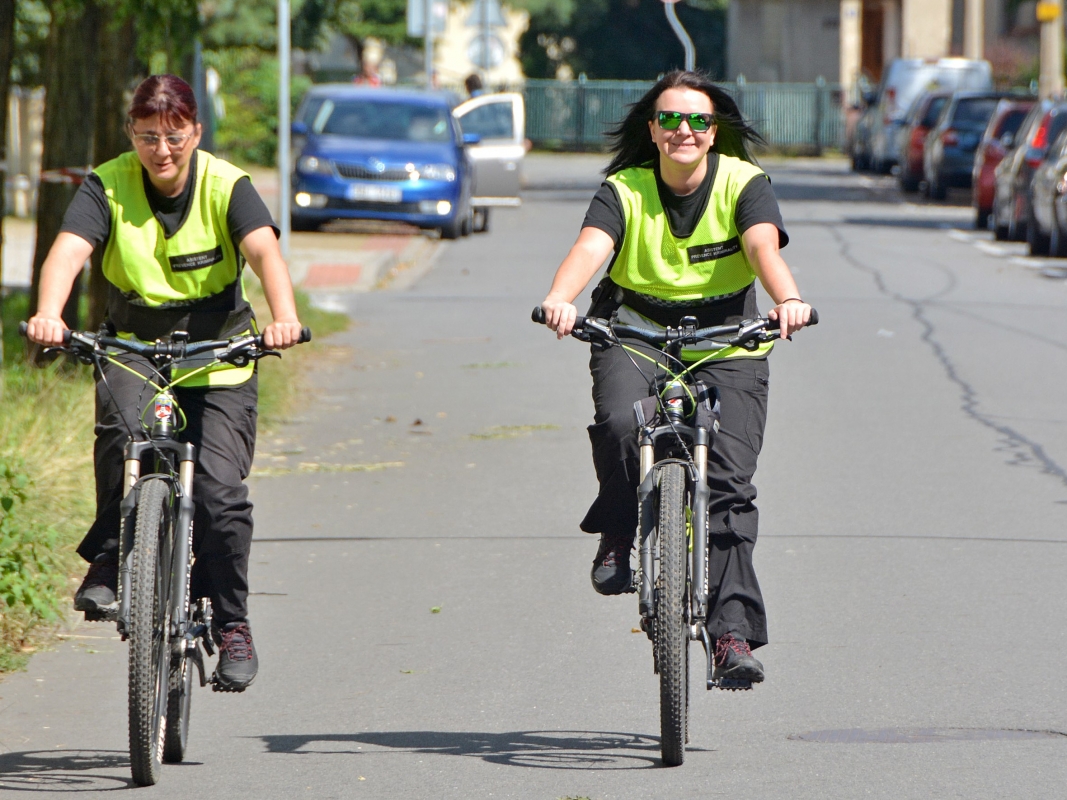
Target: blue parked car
column 948, row 155
column 382, row 154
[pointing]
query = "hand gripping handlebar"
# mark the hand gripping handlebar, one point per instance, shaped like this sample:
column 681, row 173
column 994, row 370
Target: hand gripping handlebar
column 587, row 327
column 176, row 349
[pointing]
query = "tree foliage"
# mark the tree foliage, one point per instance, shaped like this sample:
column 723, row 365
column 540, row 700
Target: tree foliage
column 623, row 39
column 32, row 20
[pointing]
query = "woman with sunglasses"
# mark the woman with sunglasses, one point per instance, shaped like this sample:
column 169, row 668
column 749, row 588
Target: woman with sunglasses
column 175, row 225
column 692, row 223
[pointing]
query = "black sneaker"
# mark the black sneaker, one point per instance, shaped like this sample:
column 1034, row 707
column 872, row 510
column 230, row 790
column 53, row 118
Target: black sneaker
column 611, row 568
column 238, row 662
column 734, row 660
column 98, row 591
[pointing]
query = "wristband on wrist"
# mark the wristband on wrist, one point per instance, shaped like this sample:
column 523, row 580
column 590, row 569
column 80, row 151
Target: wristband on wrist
column 791, row 298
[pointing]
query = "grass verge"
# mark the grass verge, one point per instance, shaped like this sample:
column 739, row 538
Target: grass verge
column 47, row 496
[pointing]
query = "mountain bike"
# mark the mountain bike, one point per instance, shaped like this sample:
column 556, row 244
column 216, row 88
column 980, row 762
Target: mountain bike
column 675, row 427
column 154, row 611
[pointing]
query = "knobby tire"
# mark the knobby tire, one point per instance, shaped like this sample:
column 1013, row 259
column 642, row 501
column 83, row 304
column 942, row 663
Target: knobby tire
column 179, row 704
column 149, row 656
column 672, row 640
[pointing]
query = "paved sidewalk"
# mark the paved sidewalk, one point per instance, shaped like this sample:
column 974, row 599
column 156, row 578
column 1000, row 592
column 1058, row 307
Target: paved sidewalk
column 341, row 260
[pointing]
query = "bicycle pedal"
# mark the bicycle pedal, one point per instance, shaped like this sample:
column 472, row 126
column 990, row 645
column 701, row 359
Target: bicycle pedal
column 102, row 615
column 733, row 684
column 217, row 686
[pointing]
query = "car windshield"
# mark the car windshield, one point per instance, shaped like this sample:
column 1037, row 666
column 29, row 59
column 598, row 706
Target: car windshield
column 1057, row 124
column 376, row 119
column 974, row 111
column 1011, row 122
column 933, row 111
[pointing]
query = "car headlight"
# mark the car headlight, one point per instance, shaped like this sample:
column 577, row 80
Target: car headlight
column 437, row 172
column 314, row 165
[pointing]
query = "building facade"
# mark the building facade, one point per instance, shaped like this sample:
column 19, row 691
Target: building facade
column 840, row 40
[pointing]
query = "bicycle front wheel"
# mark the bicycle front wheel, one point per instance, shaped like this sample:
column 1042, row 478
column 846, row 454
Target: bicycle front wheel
column 149, row 658
column 179, row 703
column 672, row 640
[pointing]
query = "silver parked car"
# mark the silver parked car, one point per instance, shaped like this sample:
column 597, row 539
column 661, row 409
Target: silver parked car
column 902, row 82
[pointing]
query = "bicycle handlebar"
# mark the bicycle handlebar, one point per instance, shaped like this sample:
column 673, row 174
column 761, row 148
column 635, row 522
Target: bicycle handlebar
column 238, row 345
column 587, row 327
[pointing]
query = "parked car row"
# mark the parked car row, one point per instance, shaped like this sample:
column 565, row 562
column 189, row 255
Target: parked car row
column 1029, row 182
column 945, row 135
column 877, row 139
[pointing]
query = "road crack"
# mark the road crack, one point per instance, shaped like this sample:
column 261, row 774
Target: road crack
column 1022, row 450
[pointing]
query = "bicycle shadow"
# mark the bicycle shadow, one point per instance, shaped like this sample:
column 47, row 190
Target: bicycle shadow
column 532, row 749
column 64, row 771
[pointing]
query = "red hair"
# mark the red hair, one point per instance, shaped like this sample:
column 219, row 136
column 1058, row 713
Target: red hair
column 166, row 95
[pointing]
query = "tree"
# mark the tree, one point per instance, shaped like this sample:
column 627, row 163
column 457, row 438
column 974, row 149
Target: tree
column 623, row 39
column 118, row 69
column 7, row 53
column 70, row 70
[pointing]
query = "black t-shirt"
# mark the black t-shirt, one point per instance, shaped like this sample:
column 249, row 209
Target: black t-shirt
column 755, row 204
column 218, row 316
column 89, row 215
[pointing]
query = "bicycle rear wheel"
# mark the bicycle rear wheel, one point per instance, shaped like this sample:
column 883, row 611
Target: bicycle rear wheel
column 149, row 657
column 672, row 640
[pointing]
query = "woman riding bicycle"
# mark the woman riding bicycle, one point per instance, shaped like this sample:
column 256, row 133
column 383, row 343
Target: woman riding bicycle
column 692, row 222
column 176, row 225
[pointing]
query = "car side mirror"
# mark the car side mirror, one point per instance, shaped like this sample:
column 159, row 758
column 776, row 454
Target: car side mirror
column 299, row 129
column 472, row 138
column 1007, row 140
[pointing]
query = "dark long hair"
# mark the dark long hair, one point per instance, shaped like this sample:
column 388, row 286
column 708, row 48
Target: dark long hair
column 633, row 147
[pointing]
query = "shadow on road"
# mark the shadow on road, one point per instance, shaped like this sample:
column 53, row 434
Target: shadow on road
column 64, row 771
column 537, row 749
column 930, row 223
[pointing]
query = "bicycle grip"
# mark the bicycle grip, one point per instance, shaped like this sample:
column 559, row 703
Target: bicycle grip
column 812, row 320
column 537, row 315
column 25, row 326
column 305, row 336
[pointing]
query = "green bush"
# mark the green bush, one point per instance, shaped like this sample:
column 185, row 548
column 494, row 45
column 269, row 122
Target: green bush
column 32, row 576
column 248, row 133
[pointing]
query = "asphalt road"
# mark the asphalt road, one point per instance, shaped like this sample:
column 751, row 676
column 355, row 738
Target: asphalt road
column 913, row 495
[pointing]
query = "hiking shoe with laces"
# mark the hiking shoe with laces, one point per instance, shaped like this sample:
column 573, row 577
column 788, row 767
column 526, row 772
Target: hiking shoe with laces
column 238, row 662
column 98, row 592
column 734, row 660
column 611, row 568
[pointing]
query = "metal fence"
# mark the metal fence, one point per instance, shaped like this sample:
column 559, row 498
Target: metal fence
column 575, row 115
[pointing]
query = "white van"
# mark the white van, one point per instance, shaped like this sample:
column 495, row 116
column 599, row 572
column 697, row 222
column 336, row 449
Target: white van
column 903, row 81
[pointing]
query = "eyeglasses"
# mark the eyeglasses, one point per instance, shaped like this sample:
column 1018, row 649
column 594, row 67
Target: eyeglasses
column 698, row 123
column 175, row 141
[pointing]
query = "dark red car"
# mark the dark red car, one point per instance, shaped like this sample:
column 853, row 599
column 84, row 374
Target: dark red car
column 921, row 118
column 999, row 137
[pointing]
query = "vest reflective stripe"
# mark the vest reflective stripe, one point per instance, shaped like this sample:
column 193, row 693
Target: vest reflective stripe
column 708, row 263
column 198, row 261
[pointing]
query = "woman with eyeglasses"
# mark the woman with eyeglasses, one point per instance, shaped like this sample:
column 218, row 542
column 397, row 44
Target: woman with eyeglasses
column 175, row 225
column 690, row 222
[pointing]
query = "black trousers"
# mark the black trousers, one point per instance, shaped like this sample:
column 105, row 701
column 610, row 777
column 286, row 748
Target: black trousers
column 735, row 602
column 221, row 422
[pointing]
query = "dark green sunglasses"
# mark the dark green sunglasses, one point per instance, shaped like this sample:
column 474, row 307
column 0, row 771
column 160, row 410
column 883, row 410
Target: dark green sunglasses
column 698, row 123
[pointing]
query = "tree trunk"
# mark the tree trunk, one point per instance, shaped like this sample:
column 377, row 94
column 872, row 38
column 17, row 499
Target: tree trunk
column 7, row 49
column 67, row 140
column 117, row 68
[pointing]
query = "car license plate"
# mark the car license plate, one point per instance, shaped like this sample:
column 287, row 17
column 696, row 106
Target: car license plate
column 374, row 192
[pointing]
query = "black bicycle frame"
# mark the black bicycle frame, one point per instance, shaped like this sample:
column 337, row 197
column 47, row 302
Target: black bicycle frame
column 669, row 425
